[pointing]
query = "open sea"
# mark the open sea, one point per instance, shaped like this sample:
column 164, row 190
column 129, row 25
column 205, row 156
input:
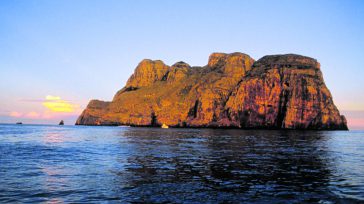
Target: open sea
column 79, row 164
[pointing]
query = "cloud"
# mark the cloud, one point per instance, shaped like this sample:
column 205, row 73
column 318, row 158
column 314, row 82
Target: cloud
column 56, row 104
column 33, row 115
column 59, row 115
column 52, row 98
column 15, row 114
column 31, row 100
column 42, row 115
column 54, row 108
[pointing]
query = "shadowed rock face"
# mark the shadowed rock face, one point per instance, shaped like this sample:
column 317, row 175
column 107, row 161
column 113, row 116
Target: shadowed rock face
column 231, row 91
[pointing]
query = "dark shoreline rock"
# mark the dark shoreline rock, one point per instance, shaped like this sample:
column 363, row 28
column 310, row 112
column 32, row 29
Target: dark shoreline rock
column 232, row 91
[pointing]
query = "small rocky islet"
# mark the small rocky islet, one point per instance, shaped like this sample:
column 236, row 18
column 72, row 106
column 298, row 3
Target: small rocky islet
column 231, row 91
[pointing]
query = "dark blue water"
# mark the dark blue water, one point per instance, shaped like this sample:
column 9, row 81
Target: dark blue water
column 62, row 164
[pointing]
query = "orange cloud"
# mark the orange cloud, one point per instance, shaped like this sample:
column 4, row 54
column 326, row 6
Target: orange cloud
column 15, row 114
column 55, row 108
column 56, row 104
column 53, row 115
column 33, row 115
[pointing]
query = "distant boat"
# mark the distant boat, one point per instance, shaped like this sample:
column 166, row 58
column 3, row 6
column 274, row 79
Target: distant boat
column 164, row 126
column 61, row 123
column 19, row 123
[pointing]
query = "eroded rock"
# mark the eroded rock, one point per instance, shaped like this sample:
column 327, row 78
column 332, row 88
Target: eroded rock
column 277, row 91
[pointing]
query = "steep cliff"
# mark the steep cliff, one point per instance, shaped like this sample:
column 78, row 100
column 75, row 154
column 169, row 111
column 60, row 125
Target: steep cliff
column 231, row 91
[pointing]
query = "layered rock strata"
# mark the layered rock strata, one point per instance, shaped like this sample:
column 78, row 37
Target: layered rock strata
column 231, row 91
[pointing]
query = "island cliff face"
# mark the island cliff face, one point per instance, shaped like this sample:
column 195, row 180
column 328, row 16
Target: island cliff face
column 231, row 91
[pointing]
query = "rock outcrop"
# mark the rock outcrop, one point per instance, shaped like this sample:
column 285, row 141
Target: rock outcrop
column 231, row 91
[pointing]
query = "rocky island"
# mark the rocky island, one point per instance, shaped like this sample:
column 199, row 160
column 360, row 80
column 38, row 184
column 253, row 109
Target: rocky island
column 231, row 91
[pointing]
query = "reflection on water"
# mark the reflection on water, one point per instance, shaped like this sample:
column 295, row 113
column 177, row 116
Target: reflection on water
column 54, row 181
column 53, row 137
column 92, row 164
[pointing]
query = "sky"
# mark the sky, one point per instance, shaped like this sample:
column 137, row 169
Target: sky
column 57, row 55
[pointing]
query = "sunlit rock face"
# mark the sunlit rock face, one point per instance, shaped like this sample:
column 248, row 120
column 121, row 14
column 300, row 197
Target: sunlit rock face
column 284, row 91
column 147, row 73
column 231, row 91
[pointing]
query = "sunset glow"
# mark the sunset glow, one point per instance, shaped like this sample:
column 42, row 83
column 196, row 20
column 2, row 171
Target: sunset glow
column 211, row 101
column 55, row 58
column 15, row 114
column 33, row 115
column 55, row 104
column 47, row 109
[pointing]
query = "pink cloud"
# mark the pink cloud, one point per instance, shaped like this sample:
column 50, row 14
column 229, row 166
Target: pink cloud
column 15, row 114
column 57, row 115
column 356, row 122
column 44, row 115
column 355, row 119
column 33, row 115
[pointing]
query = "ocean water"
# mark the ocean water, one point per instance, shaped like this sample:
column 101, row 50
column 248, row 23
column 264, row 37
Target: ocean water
column 65, row 164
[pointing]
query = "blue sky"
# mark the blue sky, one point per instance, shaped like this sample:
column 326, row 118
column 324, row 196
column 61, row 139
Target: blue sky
column 80, row 50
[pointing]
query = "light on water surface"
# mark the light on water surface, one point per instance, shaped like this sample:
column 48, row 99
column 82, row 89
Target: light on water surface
column 61, row 164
